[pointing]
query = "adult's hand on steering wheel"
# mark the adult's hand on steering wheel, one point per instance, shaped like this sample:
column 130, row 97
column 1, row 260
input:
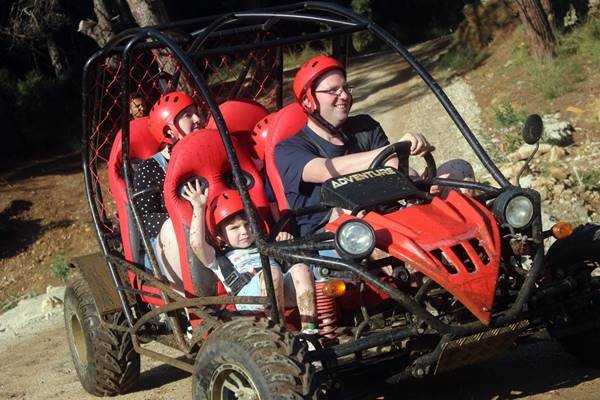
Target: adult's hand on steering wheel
column 403, row 149
column 419, row 146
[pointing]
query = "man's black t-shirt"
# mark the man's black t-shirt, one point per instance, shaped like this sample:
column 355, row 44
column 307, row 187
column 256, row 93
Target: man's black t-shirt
column 292, row 155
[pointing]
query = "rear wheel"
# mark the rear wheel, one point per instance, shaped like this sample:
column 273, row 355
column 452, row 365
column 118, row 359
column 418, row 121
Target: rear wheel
column 579, row 257
column 104, row 359
column 251, row 360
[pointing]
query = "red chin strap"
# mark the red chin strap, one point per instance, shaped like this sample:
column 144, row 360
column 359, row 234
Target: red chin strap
column 313, row 106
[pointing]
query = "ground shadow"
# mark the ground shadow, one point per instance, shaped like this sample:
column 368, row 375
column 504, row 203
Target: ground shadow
column 529, row 370
column 159, row 376
column 18, row 233
column 61, row 164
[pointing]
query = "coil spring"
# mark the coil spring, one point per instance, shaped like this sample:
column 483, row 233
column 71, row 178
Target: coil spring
column 326, row 313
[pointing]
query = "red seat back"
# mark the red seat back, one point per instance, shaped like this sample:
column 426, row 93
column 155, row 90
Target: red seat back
column 239, row 115
column 203, row 155
column 142, row 145
column 286, row 123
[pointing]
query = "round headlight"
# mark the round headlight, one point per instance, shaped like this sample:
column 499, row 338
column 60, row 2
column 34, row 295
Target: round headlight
column 355, row 239
column 519, row 211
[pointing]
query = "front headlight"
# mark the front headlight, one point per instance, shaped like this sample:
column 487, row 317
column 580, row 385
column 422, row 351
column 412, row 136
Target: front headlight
column 519, row 212
column 355, row 239
column 514, row 208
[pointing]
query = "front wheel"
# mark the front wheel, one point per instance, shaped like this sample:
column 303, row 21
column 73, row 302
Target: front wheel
column 579, row 256
column 251, row 360
column 104, row 359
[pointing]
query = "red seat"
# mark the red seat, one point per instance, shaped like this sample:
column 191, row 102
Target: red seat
column 203, row 155
column 142, row 145
column 240, row 115
column 285, row 124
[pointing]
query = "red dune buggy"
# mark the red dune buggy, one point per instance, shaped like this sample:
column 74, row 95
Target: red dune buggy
column 469, row 274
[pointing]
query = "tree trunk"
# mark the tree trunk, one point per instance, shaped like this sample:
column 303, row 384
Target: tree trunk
column 537, row 28
column 100, row 31
column 144, row 12
column 153, row 12
column 55, row 58
column 549, row 10
column 148, row 12
column 474, row 36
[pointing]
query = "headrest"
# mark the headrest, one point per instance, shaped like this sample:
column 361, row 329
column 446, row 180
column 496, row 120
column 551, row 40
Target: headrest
column 259, row 136
column 287, row 122
column 142, row 144
column 239, row 115
column 202, row 154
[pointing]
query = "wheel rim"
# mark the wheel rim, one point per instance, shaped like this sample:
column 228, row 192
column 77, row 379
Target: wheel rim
column 79, row 342
column 231, row 382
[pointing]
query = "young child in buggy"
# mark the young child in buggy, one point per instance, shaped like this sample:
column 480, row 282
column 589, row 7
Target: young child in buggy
column 238, row 257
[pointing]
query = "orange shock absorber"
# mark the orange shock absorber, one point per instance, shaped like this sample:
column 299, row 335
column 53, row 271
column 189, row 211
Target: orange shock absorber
column 326, row 313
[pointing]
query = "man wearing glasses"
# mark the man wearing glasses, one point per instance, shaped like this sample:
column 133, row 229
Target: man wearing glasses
column 331, row 143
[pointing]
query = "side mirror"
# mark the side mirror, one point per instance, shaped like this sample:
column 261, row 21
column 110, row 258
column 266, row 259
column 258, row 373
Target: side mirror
column 532, row 129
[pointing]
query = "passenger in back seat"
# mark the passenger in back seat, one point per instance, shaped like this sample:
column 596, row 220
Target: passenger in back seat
column 137, row 107
column 332, row 143
column 172, row 117
column 238, row 264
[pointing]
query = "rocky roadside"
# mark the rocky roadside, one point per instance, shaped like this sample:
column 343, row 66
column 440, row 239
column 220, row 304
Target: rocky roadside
column 31, row 315
column 564, row 172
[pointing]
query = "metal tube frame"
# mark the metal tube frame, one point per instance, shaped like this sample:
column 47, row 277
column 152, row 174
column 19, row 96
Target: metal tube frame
column 350, row 23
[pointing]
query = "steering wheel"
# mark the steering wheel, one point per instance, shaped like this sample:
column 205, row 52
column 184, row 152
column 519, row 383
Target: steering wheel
column 402, row 150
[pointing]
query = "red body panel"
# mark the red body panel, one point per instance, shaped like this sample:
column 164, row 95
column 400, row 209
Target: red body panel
column 445, row 240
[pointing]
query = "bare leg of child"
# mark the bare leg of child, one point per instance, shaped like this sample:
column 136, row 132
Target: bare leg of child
column 169, row 255
column 305, row 295
column 278, row 286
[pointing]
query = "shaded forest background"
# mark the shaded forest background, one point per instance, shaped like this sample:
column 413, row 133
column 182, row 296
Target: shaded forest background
column 43, row 55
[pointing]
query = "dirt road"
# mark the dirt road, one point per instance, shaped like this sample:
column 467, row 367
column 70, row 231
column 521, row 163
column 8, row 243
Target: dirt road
column 38, row 366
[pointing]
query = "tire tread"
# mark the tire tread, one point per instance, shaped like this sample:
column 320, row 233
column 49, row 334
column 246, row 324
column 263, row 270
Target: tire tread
column 113, row 365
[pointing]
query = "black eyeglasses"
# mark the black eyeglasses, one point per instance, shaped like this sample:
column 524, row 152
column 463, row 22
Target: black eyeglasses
column 337, row 92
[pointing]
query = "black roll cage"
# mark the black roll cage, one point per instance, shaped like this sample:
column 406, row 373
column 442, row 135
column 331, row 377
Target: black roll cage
column 342, row 22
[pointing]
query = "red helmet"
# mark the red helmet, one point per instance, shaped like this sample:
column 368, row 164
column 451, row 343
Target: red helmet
column 258, row 137
column 309, row 72
column 163, row 112
column 222, row 207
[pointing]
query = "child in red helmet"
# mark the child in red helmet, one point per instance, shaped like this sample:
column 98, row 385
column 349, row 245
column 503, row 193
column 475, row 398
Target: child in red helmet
column 230, row 227
column 171, row 118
